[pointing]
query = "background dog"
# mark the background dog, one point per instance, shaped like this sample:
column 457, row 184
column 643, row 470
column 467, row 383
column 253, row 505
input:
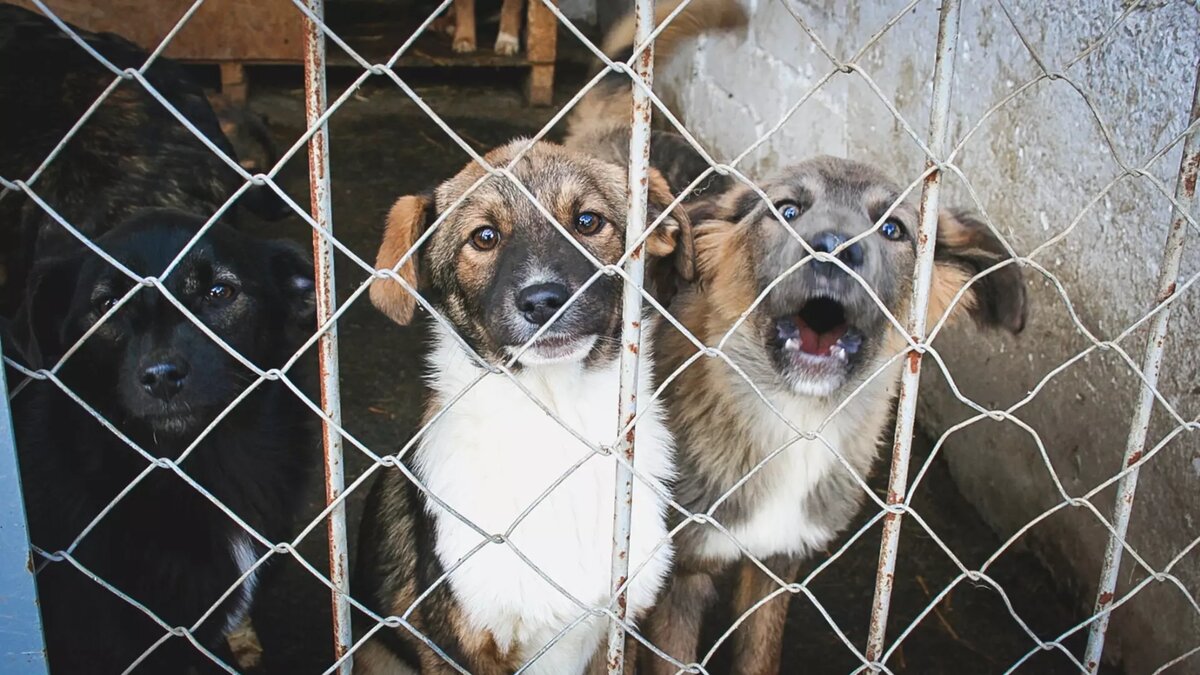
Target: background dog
column 813, row 340
column 132, row 153
column 155, row 376
column 459, row 24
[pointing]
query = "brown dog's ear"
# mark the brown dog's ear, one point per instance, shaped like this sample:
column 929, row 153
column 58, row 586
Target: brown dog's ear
column 405, row 223
column 671, row 242
column 966, row 247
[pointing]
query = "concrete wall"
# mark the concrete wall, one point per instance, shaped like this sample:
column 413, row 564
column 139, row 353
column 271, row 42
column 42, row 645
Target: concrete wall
column 1036, row 164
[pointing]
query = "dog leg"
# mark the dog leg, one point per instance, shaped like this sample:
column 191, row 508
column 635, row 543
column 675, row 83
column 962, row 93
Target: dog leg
column 375, row 659
column 758, row 642
column 674, row 625
column 464, row 26
column 243, row 643
column 508, row 41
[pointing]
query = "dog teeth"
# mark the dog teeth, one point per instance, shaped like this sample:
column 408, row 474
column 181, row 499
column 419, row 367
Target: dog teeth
column 838, row 352
column 792, row 344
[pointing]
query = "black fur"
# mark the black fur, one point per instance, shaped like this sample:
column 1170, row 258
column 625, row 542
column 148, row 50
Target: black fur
column 164, row 544
column 131, row 153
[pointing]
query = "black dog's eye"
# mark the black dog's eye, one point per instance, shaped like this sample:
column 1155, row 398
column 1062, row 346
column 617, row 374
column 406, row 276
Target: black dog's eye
column 589, row 223
column 221, row 292
column 892, row 229
column 789, row 210
column 106, row 302
column 485, row 238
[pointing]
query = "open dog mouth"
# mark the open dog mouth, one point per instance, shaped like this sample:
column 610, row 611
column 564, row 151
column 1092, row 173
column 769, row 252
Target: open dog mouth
column 818, row 340
column 819, row 329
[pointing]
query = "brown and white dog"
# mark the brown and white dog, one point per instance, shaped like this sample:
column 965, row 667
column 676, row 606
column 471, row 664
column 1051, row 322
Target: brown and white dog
column 512, row 456
column 459, row 24
column 814, row 339
column 498, row 272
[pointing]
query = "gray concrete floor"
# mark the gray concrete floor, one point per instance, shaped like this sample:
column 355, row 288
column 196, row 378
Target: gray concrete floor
column 383, row 146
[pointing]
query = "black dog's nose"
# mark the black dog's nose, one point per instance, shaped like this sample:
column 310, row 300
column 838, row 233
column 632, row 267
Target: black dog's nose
column 539, row 302
column 826, row 242
column 165, row 378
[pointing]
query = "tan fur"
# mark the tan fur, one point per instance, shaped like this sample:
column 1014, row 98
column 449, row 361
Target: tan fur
column 566, row 182
column 602, row 107
column 464, row 25
column 245, row 646
column 460, row 22
column 723, row 429
column 758, row 644
column 374, row 659
column 405, row 222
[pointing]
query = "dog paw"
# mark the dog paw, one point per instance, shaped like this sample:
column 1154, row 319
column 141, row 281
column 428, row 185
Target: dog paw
column 464, row 45
column 507, row 45
column 244, row 644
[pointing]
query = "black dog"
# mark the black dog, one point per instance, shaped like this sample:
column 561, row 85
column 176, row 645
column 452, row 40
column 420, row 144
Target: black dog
column 160, row 381
column 131, row 153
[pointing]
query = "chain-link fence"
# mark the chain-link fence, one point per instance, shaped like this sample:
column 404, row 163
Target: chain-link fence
column 904, row 315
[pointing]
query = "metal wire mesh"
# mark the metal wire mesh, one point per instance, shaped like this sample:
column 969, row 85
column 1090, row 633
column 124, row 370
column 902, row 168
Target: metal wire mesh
column 940, row 158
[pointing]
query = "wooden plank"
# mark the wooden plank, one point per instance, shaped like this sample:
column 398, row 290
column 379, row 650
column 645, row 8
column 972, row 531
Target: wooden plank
column 233, row 82
column 541, row 41
column 220, row 30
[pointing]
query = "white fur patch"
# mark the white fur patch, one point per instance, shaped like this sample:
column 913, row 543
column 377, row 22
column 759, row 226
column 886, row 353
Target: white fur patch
column 507, row 45
column 491, row 456
column 778, row 522
column 245, row 554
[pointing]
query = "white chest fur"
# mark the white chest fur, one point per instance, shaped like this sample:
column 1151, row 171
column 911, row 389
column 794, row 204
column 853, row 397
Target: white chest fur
column 491, row 457
column 779, row 521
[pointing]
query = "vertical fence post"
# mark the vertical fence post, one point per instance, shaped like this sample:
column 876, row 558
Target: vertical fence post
column 1139, row 426
column 631, row 329
column 22, row 650
column 943, row 74
column 323, row 259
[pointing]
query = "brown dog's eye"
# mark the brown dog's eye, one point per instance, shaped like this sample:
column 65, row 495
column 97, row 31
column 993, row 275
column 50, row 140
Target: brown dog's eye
column 221, row 292
column 485, row 238
column 588, row 223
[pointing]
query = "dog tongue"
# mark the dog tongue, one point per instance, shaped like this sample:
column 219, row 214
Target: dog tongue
column 819, row 344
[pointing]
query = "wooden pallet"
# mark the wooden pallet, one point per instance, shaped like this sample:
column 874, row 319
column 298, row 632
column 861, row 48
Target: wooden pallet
column 237, row 33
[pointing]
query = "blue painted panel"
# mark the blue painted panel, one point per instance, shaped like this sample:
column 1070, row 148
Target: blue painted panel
column 22, row 651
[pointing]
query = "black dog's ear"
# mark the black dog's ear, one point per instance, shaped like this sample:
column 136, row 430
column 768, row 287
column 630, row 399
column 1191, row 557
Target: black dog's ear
column 672, row 245
column 966, row 247
column 39, row 327
column 406, row 222
column 292, row 270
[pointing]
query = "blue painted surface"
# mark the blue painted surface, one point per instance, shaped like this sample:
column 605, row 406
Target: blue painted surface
column 22, row 651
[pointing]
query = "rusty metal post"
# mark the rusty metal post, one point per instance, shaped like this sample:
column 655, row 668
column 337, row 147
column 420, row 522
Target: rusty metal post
column 943, row 75
column 631, row 331
column 1139, row 426
column 323, row 259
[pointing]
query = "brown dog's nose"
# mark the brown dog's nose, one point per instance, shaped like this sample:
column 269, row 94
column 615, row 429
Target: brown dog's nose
column 165, row 378
column 539, row 302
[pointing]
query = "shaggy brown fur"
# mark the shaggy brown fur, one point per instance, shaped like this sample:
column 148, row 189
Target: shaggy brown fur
column 724, row 429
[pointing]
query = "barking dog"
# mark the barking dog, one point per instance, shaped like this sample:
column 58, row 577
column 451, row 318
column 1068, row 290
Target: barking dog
column 814, row 339
column 160, row 381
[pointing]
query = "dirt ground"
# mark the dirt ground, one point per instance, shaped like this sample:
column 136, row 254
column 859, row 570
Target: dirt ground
column 383, row 146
